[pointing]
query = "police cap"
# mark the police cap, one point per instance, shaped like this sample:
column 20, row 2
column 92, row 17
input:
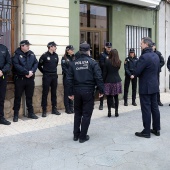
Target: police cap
column 108, row 44
column 25, row 42
column 69, row 47
column 132, row 50
column 84, row 47
column 51, row 44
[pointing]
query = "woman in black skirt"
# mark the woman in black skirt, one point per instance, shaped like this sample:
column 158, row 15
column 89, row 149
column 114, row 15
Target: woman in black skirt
column 112, row 80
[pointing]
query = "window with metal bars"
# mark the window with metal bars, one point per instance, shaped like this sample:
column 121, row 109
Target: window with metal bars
column 134, row 35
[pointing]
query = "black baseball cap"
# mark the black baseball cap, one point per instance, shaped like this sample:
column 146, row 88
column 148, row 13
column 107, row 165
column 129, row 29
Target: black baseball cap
column 108, row 44
column 25, row 42
column 69, row 47
column 51, row 44
column 132, row 50
column 84, row 47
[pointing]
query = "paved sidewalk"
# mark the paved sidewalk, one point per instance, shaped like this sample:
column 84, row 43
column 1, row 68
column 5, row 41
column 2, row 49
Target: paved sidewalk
column 46, row 143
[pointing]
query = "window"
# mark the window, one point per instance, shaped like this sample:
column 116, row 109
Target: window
column 134, row 35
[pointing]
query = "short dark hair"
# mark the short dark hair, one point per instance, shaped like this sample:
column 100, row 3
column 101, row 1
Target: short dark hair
column 148, row 41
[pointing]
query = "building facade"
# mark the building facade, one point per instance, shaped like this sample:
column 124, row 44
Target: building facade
column 123, row 23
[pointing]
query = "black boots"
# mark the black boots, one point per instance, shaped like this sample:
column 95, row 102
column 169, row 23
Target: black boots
column 32, row 116
column 109, row 112
column 116, row 113
column 15, row 118
column 4, row 121
column 44, row 113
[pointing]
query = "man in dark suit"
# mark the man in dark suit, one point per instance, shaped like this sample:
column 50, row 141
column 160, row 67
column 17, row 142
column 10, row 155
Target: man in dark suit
column 147, row 70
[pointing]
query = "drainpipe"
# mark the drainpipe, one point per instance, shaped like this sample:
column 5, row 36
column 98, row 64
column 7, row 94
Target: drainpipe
column 24, row 36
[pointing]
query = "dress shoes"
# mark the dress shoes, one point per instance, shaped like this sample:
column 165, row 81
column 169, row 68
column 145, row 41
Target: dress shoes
column 134, row 104
column 4, row 121
column 125, row 104
column 100, row 107
column 55, row 111
column 84, row 140
column 160, row 104
column 75, row 138
column 155, row 132
column 15, row 119
column 144, row 135
column 44, row 113
column 32, row 116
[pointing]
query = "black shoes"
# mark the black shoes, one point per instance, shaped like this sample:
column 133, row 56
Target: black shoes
column 125, row 104
column 100, row 107
column 140, row 134
column 75, row 138
column 44, row 113
column 72, row 110
column 160, row 104
column 15, row 119
column 116, row 113
column 134, row 104
column 155, row 132
column 4, row 121
column 32, row 116
column 109, row 114
column 84, row 140
column 68, row 111
column 55, row 111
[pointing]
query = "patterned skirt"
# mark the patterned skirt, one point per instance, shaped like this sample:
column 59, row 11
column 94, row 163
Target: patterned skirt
column 113, row 88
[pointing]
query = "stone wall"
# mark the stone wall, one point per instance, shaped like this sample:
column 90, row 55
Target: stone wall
column 9, row 100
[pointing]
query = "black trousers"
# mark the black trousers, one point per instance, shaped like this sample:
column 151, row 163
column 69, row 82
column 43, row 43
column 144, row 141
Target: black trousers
column 3, row 84
column 126, row 88
column 23, row 84
column 110, row 101
column 158, row 94
column 149, row 106
column 67, row 102
column 49, row 80
column 83, row 108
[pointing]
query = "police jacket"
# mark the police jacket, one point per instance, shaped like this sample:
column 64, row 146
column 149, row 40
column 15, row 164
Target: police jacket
column 5, row 59
column 84, row 74
column 147, row 70
column 65, row 63
column 24, row 62
column 168, row 63
column 162, row 62
column 48, row 63
column 111, row 73
column 102, row 59
column 129, row 65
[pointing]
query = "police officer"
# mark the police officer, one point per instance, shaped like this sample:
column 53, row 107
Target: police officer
column 65, row 63
column 129, row 66
column 84, row 73
column 5, row 63
column 24, row 67
column 162, row 62
column 47, row 65
column 102, row 59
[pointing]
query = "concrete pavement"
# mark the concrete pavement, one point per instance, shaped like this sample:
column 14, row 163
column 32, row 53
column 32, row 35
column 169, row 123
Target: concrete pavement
column 46, row 143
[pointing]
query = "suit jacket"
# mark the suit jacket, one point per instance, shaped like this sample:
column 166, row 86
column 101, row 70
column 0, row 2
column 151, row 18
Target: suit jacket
column 147, row 70
column 111, row 73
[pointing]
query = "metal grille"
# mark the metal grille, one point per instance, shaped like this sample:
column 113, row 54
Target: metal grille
column 6, row 22
column 134, row 35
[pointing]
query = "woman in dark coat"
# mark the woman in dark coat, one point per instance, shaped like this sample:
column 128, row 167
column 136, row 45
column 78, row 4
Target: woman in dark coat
column 112, row 80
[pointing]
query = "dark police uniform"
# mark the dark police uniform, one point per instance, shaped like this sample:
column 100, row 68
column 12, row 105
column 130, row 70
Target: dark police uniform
column 162, row 62
column 5, row 63
column 129, row 66
column 102, row 59
column 84, row 74
column 147, row 70
column 22, row 64
column 65, row 63
column 47, row 65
